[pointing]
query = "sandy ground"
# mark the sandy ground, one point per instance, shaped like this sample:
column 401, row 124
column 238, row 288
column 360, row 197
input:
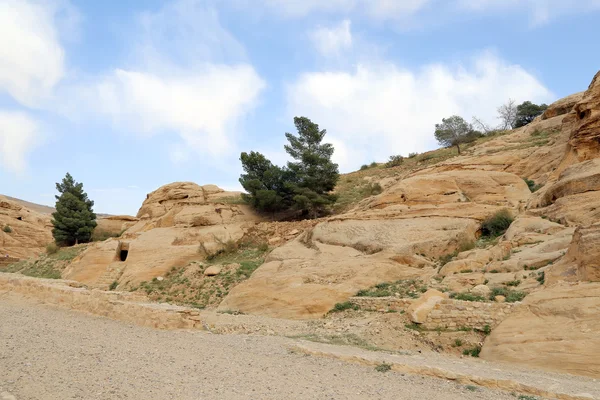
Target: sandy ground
column 48, row 353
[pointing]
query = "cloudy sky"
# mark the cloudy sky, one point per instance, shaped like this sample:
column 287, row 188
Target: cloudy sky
column 128, row 96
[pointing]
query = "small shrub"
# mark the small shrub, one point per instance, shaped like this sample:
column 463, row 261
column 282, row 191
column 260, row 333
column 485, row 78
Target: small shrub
column 263, row 247
column 513, row 283
column 445, row 259
column 533, row 187
column 510, row 295
column 413, row 326
column 524, row 397
column 347, row 305
column 473, row 352
column 514, row 296
column 7, row 229
column 113, row 285
column 395, row 161
column 466, row 297
column 364, row 167
column 457, row 343
column 487, row 330
column 52, row 248
column 541, row 277
column 466, row 271
column 373, row 165
column 494, row 271
column 412, row 155
column 374, row 189
column 471, row 388
column 383, row 367
column 496, row 224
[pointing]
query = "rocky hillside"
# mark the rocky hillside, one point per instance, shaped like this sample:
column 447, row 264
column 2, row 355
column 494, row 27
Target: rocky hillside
column 433, row 227
column 23, row 232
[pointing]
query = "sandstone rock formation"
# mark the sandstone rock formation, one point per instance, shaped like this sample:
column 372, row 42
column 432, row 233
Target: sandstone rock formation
column 30, row 230
column 177, row 223
column 555, row 329
column 421, row 308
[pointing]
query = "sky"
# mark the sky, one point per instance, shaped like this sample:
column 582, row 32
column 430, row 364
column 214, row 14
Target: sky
column 130, row 95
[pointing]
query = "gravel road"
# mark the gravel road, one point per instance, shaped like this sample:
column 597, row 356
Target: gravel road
column 48, row 353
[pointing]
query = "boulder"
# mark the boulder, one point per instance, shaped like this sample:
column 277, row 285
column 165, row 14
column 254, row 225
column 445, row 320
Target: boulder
column 212, row 270
column 481, row 290
column 555, row 329
column 582, row 261
column 31, row 230
column 420, row 309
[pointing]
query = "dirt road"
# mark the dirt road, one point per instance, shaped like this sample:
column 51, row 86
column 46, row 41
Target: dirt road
column 48, row 353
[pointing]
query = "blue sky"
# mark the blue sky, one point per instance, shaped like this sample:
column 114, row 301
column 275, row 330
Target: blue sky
column 128, row 96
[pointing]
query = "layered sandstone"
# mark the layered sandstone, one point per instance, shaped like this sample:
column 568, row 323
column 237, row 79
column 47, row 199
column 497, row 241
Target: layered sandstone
column 30, row 231
column 177, row 223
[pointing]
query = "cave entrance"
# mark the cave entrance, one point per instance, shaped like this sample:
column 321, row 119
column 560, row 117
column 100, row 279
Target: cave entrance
column 122, row 251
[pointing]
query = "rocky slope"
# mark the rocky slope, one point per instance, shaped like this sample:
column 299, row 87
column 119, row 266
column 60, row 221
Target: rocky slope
column 23, row 232
column 421, row 233
column 176, row 224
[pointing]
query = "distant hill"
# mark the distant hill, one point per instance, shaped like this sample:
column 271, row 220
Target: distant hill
column 38, row 207
column 32, row 206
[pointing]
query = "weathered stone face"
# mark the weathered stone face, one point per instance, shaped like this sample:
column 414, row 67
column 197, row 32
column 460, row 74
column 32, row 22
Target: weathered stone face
column 31, row 230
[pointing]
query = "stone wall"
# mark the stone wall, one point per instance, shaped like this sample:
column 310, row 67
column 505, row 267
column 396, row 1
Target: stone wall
column 382, row 304
column 129, row 307
column 456, row 313
column 6, row 261
column 447, row 314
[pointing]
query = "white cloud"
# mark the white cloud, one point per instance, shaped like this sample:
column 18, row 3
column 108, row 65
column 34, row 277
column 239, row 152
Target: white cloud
column 18, row 136
column 380, row 109
column 331, row 41
column 201, row 105
column 541, row 11
column 31, row 57
column 188, row 79
column 374, row 8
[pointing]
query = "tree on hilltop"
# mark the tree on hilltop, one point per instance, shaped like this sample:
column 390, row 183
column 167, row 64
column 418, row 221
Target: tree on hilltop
column 313, row 174
column 527, row 111
column 304, row 185
column 74, row 219
column 507, row 114
column 453, row 131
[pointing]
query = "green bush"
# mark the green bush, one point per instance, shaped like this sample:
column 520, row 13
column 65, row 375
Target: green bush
column 541, row 277
column 395, row 161
column 513, row 283
column 473, row 352
column 373, row 165
column 347, row 305
column 383, row 367
column 510, row 295
column 466, row 297
column 113, row 285
column 373, row 189
column 412, row 155
column 7, row 229
column 52, row 248
column 533, row 187
column 364, row 167
column 496, row 224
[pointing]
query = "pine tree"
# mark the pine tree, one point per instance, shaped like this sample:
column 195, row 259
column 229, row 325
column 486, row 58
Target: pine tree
column 305, row 185
column 264, row 183
column 313, row 173
column 74, row 219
